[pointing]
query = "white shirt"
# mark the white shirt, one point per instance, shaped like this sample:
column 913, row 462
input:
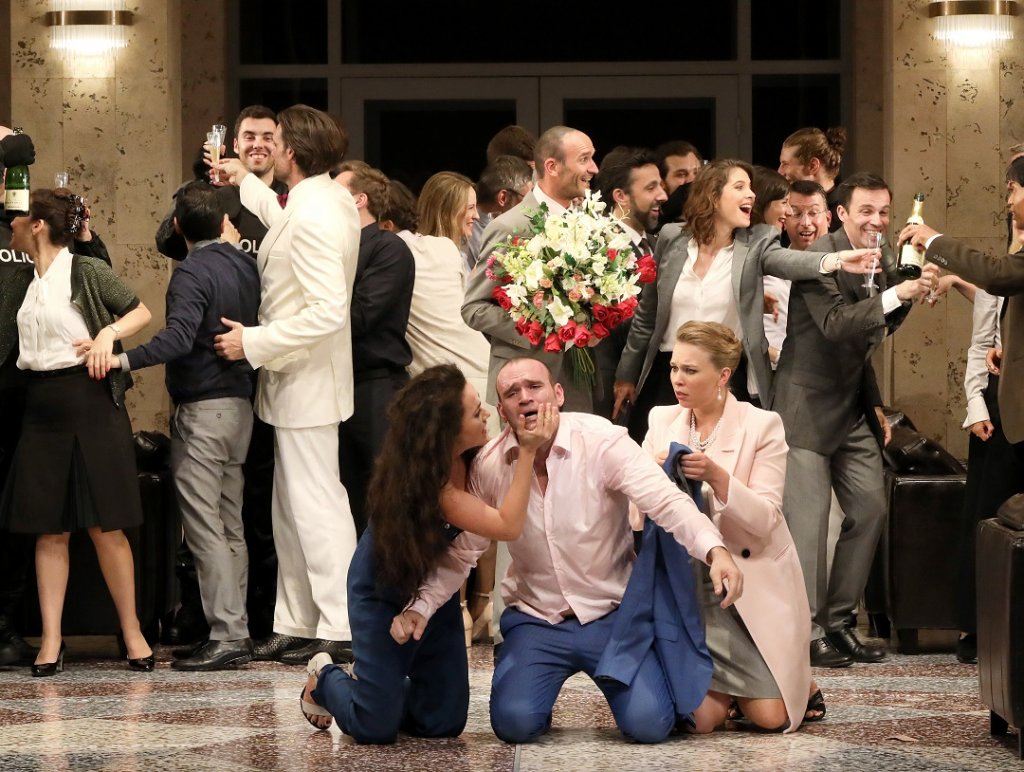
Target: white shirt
column 775, row 330
column 48, row 322
column 554, row 207
column 707, row 300
column 984, row 335
column 575, row 554
column 436, row 332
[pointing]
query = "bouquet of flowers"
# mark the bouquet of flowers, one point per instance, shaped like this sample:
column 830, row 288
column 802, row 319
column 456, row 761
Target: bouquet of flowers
column 569, row 281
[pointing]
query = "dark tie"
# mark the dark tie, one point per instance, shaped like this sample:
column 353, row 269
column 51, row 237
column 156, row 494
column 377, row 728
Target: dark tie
column 282, row 199
column 644, row 246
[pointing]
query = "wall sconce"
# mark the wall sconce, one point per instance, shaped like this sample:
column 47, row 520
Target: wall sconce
column 974, row 23
column 88, row 27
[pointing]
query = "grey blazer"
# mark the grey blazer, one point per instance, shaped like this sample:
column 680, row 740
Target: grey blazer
column 756, row 252
column 825, row 381
column 1001, row 276
column 482, row 312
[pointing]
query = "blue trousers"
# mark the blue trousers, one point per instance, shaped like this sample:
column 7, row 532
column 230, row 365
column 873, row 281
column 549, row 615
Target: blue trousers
column 537, row 657
column 420, row 688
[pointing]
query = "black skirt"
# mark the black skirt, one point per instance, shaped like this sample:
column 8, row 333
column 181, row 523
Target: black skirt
column 74, row 466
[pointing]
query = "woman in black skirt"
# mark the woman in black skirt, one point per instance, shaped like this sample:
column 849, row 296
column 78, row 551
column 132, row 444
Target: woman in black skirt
column 74, row 466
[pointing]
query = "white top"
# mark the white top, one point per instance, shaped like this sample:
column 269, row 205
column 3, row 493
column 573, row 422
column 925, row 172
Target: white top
column 984, row 335
column 436, row 332
column 47, row 320
column 707, row 300
column 775, row 330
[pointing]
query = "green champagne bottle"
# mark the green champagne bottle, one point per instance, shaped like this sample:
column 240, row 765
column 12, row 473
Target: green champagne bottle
column 16, row 196
column 911, row 259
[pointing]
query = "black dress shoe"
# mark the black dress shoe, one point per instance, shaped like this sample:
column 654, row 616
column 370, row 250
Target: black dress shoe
column 824, row 654
column 188, row 651
column 217, row 655
column 846, row 641
column 26, row 653
column 271, row 648
column 340, row 651
column 967, row 650
column 8, row 654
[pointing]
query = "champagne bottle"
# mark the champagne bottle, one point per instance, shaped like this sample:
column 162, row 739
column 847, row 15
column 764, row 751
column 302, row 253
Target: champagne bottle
column 911, row 259
column 16, row 197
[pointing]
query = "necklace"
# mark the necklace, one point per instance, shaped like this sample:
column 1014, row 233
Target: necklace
column 695, row 441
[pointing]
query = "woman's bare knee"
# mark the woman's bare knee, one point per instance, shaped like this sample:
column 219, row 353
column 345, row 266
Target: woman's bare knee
column 766, row 714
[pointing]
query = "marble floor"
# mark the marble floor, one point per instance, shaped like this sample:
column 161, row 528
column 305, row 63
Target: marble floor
column 911, row 713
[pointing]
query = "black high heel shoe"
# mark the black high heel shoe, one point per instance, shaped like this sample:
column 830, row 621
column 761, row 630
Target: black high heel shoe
column 142, row 664
column 50, row 668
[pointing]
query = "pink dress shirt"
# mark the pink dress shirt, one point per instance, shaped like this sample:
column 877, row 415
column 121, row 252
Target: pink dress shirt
column 575, row 554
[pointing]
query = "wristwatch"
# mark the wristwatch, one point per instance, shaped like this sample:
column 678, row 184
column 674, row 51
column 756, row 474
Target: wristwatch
column 116, row 329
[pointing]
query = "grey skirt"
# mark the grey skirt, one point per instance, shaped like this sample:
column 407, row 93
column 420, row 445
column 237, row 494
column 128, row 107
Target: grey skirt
column 739, row 668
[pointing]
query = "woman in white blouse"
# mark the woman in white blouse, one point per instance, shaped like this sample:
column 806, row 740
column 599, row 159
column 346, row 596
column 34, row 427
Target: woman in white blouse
column 446, row 212
column 712, row 271
column 74, row 466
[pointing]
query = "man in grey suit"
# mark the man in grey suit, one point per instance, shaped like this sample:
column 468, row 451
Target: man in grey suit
column 565, row 165
column 826, row 391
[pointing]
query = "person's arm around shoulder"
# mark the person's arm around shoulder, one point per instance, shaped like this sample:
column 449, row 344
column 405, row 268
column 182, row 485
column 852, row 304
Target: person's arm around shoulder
column 505, row 523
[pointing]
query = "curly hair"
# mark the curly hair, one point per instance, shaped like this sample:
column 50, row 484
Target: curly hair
column 404, row 497
column 705, row 193
column 61, row 210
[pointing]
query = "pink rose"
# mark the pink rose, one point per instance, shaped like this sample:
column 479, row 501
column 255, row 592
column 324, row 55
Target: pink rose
column 575, row 295
column 582, row 336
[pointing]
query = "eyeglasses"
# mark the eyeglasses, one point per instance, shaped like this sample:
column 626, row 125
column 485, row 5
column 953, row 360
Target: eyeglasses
column 812, row 213
column 514, row 194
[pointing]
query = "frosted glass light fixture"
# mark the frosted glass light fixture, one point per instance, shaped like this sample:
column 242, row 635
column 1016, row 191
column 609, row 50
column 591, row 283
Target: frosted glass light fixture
column 974, row 23
column 88, row 27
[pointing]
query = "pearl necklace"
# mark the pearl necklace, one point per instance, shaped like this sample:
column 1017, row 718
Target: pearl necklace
column 696, row 443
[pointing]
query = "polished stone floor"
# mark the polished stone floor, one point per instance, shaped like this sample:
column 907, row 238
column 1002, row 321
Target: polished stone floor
column 911, row 713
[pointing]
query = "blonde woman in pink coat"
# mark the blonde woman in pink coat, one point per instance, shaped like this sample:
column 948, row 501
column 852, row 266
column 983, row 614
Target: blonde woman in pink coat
column 760, row 648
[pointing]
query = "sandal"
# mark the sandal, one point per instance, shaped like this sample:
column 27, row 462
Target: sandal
column 312, row 710
column 815, row 703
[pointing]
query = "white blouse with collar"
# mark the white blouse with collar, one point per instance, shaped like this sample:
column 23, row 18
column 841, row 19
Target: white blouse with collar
column 48, row 322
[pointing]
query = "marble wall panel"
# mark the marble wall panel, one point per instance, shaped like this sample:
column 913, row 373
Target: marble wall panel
column 92, row 154
column 203, row 76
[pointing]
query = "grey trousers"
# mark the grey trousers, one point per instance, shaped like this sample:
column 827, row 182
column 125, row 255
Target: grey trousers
column 854, row 471
column 209, row 441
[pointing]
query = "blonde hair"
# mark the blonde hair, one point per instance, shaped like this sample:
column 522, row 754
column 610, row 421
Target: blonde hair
column 442, row 202
column 705, row 193
column 716, row 339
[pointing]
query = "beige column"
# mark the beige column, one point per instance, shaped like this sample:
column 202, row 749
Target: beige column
column 950, row 118
column 116, row 127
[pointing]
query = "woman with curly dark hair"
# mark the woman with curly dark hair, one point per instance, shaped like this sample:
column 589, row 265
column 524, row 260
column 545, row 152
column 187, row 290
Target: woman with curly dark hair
column 711, row 271
column 417, row 503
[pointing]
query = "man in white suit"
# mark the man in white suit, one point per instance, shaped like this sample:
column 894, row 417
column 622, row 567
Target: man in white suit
column 303, row 351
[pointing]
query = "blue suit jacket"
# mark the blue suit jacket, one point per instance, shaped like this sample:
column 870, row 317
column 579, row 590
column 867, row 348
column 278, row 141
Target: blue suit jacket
column 659, row 609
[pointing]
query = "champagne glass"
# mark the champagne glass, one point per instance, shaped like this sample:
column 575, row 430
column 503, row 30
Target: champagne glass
column 874, row 241
column 221, row 129
column 213, row 142
column 60, row 180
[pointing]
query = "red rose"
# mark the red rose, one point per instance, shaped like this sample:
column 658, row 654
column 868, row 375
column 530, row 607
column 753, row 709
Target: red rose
column 507, row 279
column 611, row 255
column 582, row 336
column 615, row 317
column 600, row 312
column 523, row 326
column 502, row 297
column 627, row 310
column 552, row 343
column 535, row 333
column 647, row 269
column 568, row 331
column 599, row 331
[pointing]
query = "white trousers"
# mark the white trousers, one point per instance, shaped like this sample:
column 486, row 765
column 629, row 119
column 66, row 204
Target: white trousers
column 313, row 533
